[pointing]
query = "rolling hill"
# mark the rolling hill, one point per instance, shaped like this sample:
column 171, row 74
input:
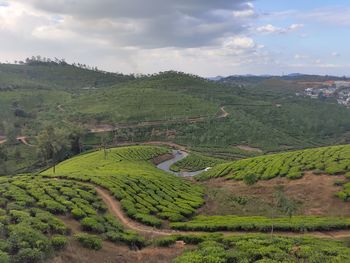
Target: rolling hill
column 169, row 106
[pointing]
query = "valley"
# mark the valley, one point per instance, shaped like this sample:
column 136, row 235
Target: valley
column 107, row 167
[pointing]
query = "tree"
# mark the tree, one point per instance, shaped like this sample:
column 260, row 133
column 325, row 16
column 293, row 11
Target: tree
column 53, row 145
column 75, row 139
column 104, row 143
column 3, row 159
column 286, row 205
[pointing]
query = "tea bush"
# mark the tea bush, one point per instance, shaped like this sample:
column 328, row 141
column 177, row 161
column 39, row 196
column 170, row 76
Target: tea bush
column 146, row 193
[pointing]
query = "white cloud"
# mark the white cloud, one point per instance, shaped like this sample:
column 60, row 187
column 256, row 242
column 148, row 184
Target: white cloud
column 244, row 13
column 270, row 29
column 240, row 42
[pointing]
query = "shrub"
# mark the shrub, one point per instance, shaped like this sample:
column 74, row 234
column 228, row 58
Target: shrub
column 148, row 220
column 347, row 175
column 91, row 224
column 343, row 196
column 295, row 175
column 89, row 241
column 165, row 241
column 27, row 255
column 77, row 213
column 4, row 257
column 59, row 242
column 250, row 179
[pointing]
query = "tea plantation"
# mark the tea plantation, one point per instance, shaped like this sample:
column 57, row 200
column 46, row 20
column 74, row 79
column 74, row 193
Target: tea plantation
column 263, row 248
column 263, row 224
column 330, row 160
column 30, row 230
column 146, row 193
column 195, row 162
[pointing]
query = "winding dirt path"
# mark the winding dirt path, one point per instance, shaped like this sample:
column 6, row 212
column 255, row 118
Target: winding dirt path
column 223, row 113
column 60, row 108
column 115, row 209
column 21, row 139
column 108, row 128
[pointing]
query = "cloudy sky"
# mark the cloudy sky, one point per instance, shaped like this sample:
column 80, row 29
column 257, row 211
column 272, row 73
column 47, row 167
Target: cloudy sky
column 204, row 37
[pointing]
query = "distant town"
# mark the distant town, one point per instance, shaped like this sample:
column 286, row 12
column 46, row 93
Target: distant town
column 340, row 90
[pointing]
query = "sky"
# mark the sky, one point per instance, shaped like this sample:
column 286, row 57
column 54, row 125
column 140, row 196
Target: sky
column 203, row 37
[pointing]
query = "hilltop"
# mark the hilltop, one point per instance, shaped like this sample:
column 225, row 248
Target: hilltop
column 214, row 118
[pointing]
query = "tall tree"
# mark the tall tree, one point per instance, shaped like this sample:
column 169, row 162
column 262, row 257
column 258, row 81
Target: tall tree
column 53, row 145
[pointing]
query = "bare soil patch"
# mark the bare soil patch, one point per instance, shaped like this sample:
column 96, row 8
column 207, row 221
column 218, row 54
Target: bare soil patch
column 248, row 148
column 316, row 193
column 113, row 253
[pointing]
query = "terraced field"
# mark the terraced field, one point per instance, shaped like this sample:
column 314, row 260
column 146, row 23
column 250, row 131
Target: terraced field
column 195, row 162
column 263, row 224
column 330, row 160
column 263, row 248
column 82, row 188
column 30, row 228
column 146, row 194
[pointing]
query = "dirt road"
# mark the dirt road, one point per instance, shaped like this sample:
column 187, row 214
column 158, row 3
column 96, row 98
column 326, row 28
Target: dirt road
column 115, row 209
column 223, row 113
column 21, row 139
column 107, row 128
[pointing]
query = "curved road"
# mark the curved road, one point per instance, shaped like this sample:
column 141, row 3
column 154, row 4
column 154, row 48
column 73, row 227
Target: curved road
column 178, row 155
column 115, row 209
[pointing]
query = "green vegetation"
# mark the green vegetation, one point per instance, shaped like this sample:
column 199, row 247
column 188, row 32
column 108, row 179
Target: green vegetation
column 263, row 224
column 89, row 241
column 30, row 230
column 195, row 162
column 345, row 193
column 41, row 93
column 146, row 193
column 263, row 248
column 331, row 160
column 135, row 102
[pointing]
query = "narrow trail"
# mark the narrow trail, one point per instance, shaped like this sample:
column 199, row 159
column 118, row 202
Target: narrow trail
column 21, row 139
column 108, row 128
column 60, row 108
column 223, row 113
column 115, row 209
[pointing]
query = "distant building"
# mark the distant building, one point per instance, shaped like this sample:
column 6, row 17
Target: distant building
column 342, row 84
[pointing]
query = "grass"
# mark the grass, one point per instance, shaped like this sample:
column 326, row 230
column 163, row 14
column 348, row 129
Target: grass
column 262, row 224
column 195, row 162
column 331, row 160
column 146, row 193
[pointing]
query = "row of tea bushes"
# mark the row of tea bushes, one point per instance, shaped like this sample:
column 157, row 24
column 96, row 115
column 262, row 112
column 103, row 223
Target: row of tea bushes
column 330, row 160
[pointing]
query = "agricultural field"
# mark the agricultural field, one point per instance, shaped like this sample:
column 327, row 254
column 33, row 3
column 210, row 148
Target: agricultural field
column 263, row 248
column 136, row 103
column 146, row 194
column 195, row 162
column 263, row 224
column 330, row 160
column 31, row 230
